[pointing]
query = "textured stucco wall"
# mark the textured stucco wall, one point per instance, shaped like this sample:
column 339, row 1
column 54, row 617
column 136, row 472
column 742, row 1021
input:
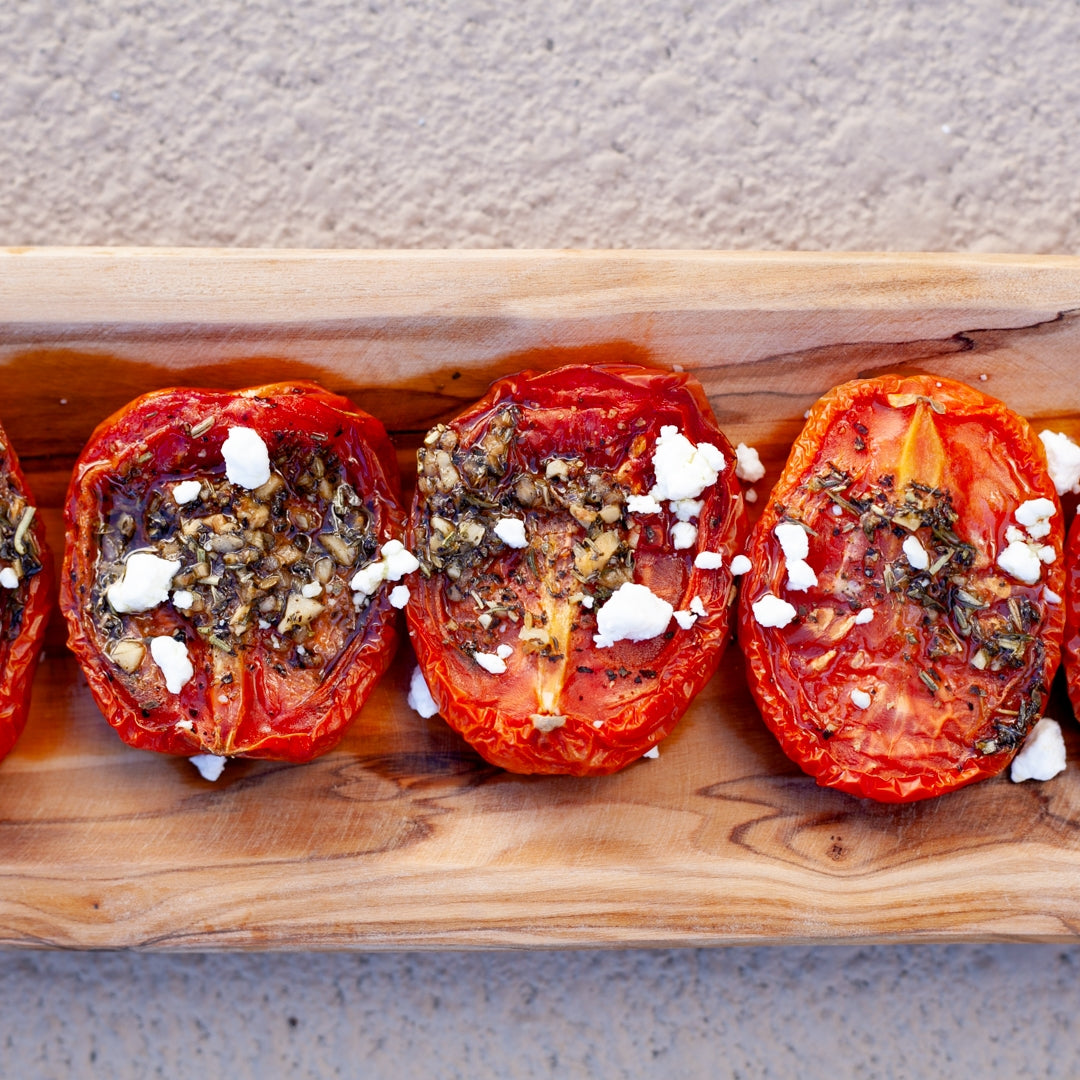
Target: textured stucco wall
column 828, row 124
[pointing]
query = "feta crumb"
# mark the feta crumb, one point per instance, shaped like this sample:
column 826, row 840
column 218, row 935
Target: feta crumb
column 1063, row 459
column 916, row 553
column 8, row 578
column 1047, row 554
column 587, row 601
column 793, row 540
column 247, row 460
column 683, row 470
column 186, row 491
column 709, row 560
column 1050, row 596
column 864, row 616
column 183, row 599
column 836, row 509
column 511, row 531
column 683, row 535
column 393, row 564
column 490, row 662
column 420, row 699
column 1020, row 562
column 750, row 495
column 598, row 723
column 185, row 725
column 1014, row 535
column 740, row 565
column 171, row 656
column 210, row 766
column 800, row 576
column 399, row 596
column 642, row 504
column 1035, row 515
column 1043, row 754
column 652, row 752
column 265, row 624
column 687, row 509
column 311, row 589
column 685, row 619
column 697, row 606
column 860, row 699
column 748, row 465
column 772, row 611
column 145, row 583
column 503, row 651
column 632, row 613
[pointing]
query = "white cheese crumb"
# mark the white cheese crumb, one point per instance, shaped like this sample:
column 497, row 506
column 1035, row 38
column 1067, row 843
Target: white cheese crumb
column 183, row 599
column 399, row 596
column 687, row 509
column 683, row 535
column 503, row 651
column 860, row 699
column 632, row 613
column 186, row 491
column 793, row 540
column 652, row 752
column 144, row 585
column 748, row 465
column 172, row 657
column 210, row 766
column 311, row 589
column 185, row 725
column 642, row 504
column 1047, row 554
column 983, row 378
column 420, row 699
column 8, row 578
column 683, row 470
column 697, row 606
column 837, row 509
column 1063, row 459
column 800, row 576
column 1035, row 515
column 685, row 619
column 772, row 611
column 587, row 601
column 247, row 460
column 598, row 723
column 490, row 662
column 864, row 616
column 1043, row 754
column 511, row 531
column 1020, row 562
column 740, row 565
column 1050, row 596
column 1014, row 535
column 916, row 553
column 750, row 496
column 709, row 560
column 393, row 564
column 265, row 624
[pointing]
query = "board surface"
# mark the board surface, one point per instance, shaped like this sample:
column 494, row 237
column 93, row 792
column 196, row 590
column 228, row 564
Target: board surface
column 402, row 837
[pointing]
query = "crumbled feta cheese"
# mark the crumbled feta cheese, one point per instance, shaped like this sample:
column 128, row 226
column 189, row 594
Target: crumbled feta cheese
column 399, row 596
column 750, row 496
column 860, row 699
column 748, row 465
column 183, row 599
column 171, row 656
column 1063, row 458
column 709, row 560
column 685, row 619
column 511, row 531
column 740, row 565
column 547, row 722
column 1046, row 553
column 186, row 491
column 496, row 665
column 864, row 616
column 683, row 470
column 1043, row 754
column 420, row 699
column 687, row 509
column 393, row 564
column 1035, row 515
column 652, row 752
column 368, row 578
column 8, row 578
column 642, row 504
column 247, row 460
column 836, row 509
column 144, row 585
column 184, row 725
column 772, row 611
column 632, row 613
column 503, row 651
column 1014, row 534
column 800, row 576
column 697, row 606
column 1050, row 596
column 683, row 535
column 1020, row 562
column 587, row 601
column 916, row 553
column 210, row 766
column 311, row 589
column 793, row 540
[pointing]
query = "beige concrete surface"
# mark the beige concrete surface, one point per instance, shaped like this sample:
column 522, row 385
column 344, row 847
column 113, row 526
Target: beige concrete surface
column 799, row 124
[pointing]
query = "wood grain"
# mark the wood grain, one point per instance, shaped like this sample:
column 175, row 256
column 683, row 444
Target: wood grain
column 402, row 837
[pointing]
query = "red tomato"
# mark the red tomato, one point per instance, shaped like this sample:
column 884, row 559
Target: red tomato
column 26, row 576
column 250, row 643
column 523, row 526
column 919, row 658
column 1072, row 613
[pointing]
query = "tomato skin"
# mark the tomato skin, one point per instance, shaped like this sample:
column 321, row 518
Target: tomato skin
column 19, row 655
column 614, row 702
column 257, row 703
column 1071, row 651
column 931, row 704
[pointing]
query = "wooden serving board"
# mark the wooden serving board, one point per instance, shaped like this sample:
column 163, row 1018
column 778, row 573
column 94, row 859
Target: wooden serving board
column 402, row 837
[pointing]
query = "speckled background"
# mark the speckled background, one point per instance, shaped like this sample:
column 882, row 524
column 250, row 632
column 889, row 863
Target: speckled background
column 802, row 124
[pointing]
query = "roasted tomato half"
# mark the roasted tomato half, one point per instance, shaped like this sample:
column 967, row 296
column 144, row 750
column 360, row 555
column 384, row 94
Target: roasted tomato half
column 228, row 581
column 1072, row 614
column 25, row 595
column 575, row 530
column 902, row 616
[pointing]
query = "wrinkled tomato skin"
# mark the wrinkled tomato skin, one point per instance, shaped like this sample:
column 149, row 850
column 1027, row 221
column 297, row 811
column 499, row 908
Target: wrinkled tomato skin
column 936, row 721
column 19, row 655
column 620, row 700
column 294, row 718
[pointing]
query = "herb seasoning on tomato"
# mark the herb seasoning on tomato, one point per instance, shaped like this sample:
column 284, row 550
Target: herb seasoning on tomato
column 901, row 619
column 575, row 530
column 229, row 570
column 25, row 595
